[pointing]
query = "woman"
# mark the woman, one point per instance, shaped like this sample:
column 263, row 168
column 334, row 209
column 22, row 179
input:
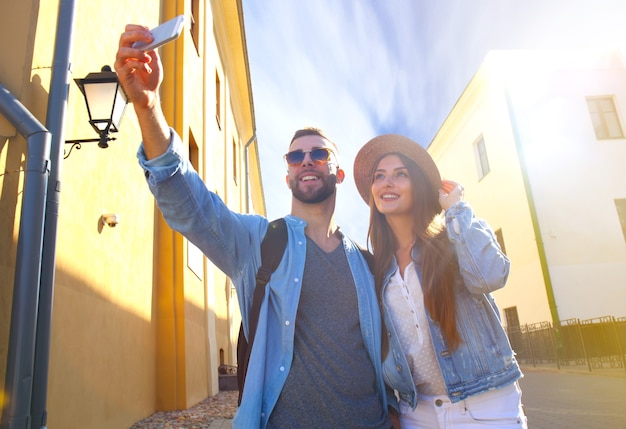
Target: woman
column 448, row 360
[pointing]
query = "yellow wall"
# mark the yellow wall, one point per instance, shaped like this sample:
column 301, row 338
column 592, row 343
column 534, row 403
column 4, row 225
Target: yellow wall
column 134, row 329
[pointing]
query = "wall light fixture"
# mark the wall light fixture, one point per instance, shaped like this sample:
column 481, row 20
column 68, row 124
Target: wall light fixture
column 106, row 102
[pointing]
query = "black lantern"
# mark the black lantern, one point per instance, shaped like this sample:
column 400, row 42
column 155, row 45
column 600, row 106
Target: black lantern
column 106, row 102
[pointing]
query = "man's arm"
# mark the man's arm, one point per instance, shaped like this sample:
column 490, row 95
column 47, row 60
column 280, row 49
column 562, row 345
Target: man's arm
column 140, row 74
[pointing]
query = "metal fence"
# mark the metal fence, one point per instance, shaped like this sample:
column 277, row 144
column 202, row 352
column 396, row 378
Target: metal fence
column 596, row 343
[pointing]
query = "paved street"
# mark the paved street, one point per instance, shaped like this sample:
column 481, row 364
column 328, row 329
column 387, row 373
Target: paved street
column 564, row 399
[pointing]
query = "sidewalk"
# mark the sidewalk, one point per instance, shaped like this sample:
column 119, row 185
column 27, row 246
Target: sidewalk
column 221, row 424
column 574, row 369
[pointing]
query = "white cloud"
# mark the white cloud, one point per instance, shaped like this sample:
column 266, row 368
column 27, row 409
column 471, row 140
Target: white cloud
column 361, row 68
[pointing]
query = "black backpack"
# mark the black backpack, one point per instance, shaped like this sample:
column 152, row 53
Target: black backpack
column 272, row 249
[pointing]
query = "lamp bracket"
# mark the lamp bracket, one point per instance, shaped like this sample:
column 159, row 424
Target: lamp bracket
column 78, row 143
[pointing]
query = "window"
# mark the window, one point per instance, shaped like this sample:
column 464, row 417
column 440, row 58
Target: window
column 512, row 319
column 194, row 153
column 235, row 158
column 218, row 100
column 604, row 118
column 195, row 258
column 620, row 205
column 500, row 239
column 481, row 157
column 513, row 328
column 194, row 28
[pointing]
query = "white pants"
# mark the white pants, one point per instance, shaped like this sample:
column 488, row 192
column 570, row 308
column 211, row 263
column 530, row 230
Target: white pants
column 500, row 408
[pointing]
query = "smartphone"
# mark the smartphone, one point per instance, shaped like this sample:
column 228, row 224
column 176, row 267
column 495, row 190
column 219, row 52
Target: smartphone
column 163, row 34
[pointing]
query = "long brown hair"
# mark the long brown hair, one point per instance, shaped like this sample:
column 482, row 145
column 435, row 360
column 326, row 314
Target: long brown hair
column 435, row 257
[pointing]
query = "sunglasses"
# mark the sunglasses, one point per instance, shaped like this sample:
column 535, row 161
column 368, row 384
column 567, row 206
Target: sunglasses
column 319, row 155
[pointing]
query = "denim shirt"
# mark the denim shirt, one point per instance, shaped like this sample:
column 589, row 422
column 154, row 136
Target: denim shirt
column 484, row 359
column 232, row 242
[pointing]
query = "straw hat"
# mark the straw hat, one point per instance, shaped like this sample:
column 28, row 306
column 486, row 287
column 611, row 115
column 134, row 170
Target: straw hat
column 370, row 154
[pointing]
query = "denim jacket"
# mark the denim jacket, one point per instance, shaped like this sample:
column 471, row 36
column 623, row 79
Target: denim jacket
column 484, row 359
column 232, row 242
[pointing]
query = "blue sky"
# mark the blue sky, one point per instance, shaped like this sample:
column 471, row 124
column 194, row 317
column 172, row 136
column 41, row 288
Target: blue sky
column 360, row 68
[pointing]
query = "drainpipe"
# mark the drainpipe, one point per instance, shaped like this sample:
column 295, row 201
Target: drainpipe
column 20, row 356
column 245, row 149
column 55, row 122
column 26, row 382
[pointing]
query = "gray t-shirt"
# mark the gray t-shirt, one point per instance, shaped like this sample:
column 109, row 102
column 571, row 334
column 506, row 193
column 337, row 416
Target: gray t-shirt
column 332, row 382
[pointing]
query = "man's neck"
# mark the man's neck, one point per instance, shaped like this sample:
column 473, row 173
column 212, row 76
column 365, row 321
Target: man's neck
column 321, row 227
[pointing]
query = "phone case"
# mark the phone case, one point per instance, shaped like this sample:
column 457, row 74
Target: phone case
column 163, row 34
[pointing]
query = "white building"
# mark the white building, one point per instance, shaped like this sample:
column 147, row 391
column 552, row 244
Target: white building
column 537, row 139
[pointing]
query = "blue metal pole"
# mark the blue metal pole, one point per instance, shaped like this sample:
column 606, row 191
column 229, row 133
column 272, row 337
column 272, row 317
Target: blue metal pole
column 55, row 122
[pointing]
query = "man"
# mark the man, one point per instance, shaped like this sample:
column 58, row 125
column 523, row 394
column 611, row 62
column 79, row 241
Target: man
column 316, row 359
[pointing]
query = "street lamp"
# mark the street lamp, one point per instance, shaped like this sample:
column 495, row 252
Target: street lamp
column 106, row 102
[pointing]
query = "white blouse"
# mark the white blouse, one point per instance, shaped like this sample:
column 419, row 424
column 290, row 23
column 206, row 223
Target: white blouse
column 408, row 314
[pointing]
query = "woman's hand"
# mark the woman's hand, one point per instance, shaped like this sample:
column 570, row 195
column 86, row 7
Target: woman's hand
column 450, row 193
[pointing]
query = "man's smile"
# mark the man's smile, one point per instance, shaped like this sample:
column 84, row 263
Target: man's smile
column 308, row 177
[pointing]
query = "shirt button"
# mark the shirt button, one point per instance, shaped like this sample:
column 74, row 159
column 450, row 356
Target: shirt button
column 439, row 402
column 399, row 368
column 287, row 323
column 300, row 243
column 296, row 280
column 282, row 369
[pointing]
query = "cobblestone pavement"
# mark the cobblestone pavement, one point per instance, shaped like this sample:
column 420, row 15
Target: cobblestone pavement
column 215, row 412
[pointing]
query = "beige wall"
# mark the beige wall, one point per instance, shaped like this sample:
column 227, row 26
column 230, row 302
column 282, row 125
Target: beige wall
column 134, row 328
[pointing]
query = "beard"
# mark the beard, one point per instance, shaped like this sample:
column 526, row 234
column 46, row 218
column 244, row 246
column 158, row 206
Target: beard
column 314, row 196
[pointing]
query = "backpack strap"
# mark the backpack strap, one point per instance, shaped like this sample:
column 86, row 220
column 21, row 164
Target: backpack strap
column 272, row 250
